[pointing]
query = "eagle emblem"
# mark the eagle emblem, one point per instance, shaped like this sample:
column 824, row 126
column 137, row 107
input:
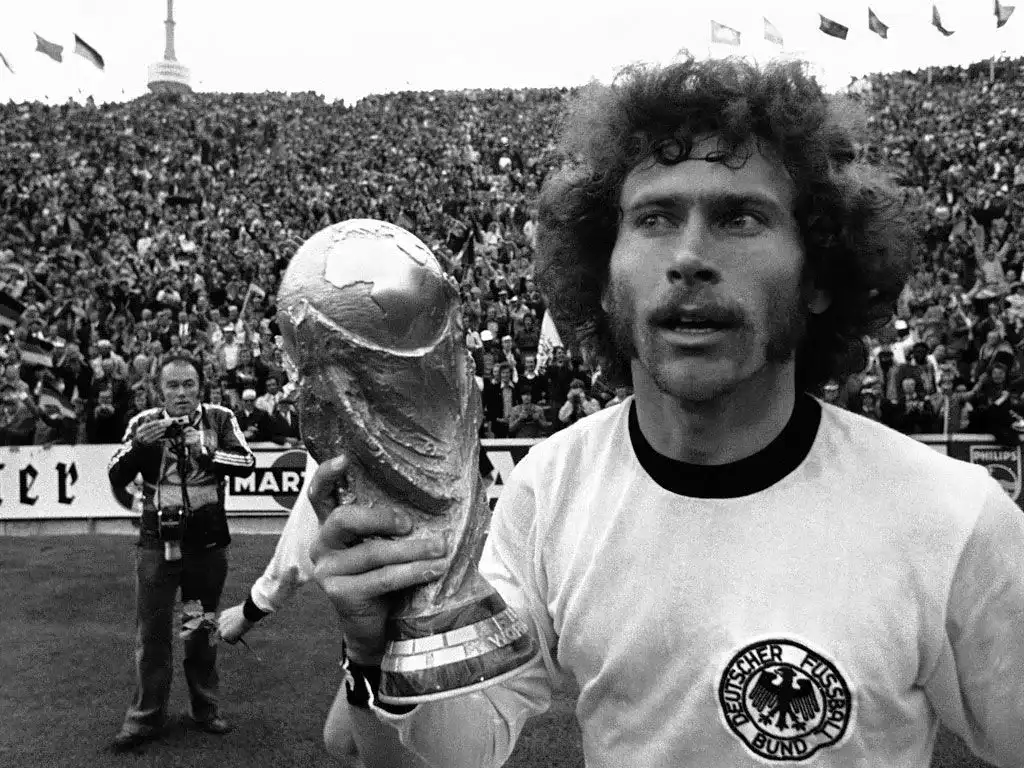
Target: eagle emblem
column 784, row 700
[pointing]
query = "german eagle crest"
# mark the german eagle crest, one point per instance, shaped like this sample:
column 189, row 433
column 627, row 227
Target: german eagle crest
column 783, row 700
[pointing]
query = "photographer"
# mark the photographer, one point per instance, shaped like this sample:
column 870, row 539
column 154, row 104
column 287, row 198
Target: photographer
column 577, row 404
column 528, row 420
column 183, row 451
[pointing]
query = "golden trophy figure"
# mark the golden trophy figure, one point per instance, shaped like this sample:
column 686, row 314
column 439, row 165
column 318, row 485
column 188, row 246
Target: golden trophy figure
column 372, row 337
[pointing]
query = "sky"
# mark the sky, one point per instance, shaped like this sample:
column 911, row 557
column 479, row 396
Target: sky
column 344, row 49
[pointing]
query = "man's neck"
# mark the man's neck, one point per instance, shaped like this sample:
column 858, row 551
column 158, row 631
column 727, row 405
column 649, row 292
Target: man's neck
column 726, row 429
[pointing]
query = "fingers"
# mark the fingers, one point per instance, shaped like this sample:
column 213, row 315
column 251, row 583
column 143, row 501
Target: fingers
column 326, row 479
column 379, row 553
column 357, row 590
column 346, row 526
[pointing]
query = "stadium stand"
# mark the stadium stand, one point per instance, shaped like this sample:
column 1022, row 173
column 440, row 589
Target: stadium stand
column 130, row 230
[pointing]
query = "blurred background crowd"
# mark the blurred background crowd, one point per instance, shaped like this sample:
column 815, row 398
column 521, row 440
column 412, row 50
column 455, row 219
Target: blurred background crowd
column 131, row 231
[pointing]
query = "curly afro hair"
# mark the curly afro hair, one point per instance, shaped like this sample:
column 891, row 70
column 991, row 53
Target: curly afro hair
column 853, row 221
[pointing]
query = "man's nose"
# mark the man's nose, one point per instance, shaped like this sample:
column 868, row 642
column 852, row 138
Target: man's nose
column 691, row 259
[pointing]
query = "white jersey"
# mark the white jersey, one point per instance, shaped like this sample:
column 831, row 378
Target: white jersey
column 830, row 599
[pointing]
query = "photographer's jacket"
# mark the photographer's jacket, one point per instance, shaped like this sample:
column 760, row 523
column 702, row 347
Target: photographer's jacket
column 167, row 462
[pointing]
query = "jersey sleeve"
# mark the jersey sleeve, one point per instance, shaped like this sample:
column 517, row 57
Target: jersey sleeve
column 978, row 690
column 233, row 456
column 480, row 730
column 290, row 567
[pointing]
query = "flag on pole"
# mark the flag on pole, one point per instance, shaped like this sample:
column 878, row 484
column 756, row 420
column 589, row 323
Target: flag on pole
column 771, row 32
column 549, row 339
column 937, row 21
column 875, row 25
column 1003, row 13
column 7, row 64
column 723, row 34
column 832, row 28
column 88, row 53
column 54, row 51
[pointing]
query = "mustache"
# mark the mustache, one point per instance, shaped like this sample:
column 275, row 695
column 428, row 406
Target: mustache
column 671, row 308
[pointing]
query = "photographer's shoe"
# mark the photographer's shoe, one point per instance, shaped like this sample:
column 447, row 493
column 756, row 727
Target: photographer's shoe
column 128, row 739
column 218, row 726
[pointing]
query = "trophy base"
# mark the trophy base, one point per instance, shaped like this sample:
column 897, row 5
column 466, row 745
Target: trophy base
column 454, row 653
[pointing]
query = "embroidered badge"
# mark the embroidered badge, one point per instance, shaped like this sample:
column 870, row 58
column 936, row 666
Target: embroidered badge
column 784, row 700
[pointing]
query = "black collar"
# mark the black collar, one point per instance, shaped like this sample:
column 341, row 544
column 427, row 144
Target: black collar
column 739, row 478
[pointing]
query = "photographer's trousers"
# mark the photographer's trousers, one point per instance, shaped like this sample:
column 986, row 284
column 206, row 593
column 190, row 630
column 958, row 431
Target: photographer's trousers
column 201, row 576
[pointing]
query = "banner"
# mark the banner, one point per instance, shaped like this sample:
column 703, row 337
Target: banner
column 70, row 481
column 65, row 481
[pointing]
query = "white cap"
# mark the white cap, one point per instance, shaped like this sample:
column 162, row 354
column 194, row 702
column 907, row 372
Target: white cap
column 249, row 394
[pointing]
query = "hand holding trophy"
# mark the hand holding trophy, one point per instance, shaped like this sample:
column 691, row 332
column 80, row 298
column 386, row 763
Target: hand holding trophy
column 371, row 336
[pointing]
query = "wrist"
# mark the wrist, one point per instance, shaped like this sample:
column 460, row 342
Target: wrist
column 361, row 684
column 251, row 611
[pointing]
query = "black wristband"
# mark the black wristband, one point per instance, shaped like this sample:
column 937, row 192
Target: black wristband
column 251, row 611
column 361, row 683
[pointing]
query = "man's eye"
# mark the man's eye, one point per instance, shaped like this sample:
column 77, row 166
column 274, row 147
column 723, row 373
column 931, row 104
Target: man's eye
column 652, row 220
column 743, row 220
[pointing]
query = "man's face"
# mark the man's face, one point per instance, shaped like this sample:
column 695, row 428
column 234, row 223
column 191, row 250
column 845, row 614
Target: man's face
column 559, row 356
column 179, row 384
column 529, row 363
column 705, row 277
column 272, row 386
column 909, row 387
column 998, row 374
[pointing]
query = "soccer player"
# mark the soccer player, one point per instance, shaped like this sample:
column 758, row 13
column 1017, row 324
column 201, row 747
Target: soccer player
column 734, row 572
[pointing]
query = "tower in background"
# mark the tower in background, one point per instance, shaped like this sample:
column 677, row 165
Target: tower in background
column 169, row 75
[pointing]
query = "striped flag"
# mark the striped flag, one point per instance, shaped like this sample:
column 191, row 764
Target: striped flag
column 937, row 21
column 88, row 53
column 37, row 351
column 10, row 310
column 54, row 51
column 723, row 34
column 53, row 403
column 875, row 25
column 771, row 32
column 8, row 65
column 832, row 28
column 1003, row 13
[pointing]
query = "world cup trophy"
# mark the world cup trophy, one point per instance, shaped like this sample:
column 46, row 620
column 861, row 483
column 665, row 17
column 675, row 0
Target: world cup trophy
column 371, row 335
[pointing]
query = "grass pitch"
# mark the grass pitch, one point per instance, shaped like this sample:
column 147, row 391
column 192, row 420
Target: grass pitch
column 66, row 670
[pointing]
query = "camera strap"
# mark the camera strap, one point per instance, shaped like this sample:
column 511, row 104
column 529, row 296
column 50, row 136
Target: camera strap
column 182, row 466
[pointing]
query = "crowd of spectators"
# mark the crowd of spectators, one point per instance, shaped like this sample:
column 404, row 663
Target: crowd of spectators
column 131, row 231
